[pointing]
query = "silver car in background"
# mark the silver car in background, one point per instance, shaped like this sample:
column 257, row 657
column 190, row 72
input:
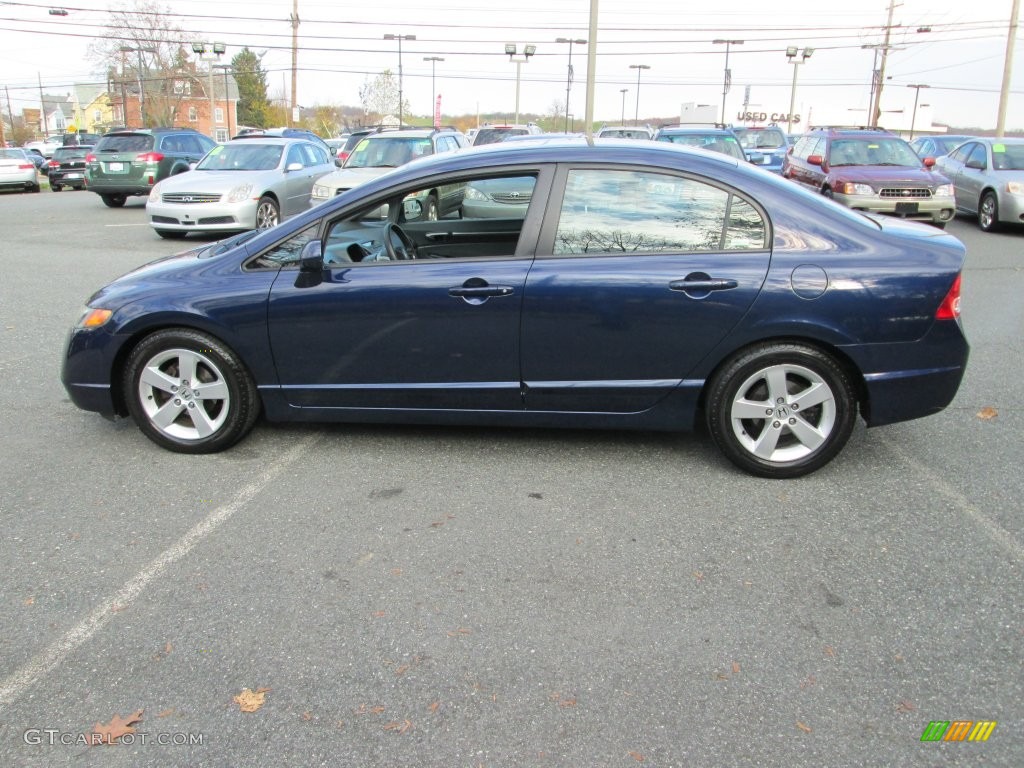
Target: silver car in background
column 252, row 182
column 17, row 171
column 988, row 180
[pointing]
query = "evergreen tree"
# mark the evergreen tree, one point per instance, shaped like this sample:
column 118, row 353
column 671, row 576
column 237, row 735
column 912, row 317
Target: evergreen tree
column 253, row 105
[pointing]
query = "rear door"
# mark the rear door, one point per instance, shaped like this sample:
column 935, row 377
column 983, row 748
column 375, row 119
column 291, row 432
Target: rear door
column 639, row 274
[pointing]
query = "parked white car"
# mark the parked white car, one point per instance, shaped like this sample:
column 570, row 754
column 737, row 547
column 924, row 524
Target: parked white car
column 17, row 171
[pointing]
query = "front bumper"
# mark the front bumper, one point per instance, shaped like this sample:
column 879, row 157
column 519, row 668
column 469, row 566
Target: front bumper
column 937, row 210
column 203, row 217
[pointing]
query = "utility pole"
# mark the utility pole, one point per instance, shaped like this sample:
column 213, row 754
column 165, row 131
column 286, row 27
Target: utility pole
column 1004, row 92
column 877, row 113
column 42, row 107
column 295, row 57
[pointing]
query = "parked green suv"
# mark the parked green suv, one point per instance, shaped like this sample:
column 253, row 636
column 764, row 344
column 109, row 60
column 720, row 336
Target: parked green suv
column 129, row 163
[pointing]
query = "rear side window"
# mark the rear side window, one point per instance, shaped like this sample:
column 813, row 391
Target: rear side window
column 494, row 135
column 615, row 212
column 129, row 142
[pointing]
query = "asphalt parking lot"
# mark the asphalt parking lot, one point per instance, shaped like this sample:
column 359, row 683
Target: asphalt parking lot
column 482, row 597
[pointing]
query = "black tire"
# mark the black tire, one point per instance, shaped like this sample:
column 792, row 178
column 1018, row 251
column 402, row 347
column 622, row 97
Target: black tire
column 114, row 201
column 35, row 188
column 165, row 405
column 988, row 212
column 171, row 234
column 432, row 209
column 795, row 438
column 55, row 187
column 268, row 213
column 827, row 192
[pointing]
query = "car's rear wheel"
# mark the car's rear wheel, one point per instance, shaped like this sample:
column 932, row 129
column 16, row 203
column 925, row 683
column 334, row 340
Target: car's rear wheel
column 56, row 187
column 188, row 392
column 781, row 410
column 432, row 208
column 988, row 212
column 267, row 213
column 171, row 234
column 114, row 201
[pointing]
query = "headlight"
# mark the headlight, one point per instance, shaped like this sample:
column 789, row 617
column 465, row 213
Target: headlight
column 944, row 190
column 474, row 194
column 319, row 190
column 93, row 318
column 850, row 188
column 240, row 193
column 154, row 193
column 1015, row 187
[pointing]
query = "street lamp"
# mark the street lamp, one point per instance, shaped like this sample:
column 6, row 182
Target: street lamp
column 139, row 49
column 791, row 54
column 528, row 51
column 216, row 49
column 433, row 88
column 913, row 118
column 399, row 38
column 227, row 99
column 623, row 91
column 727, row 81
column 568, row 80
column 639, row 68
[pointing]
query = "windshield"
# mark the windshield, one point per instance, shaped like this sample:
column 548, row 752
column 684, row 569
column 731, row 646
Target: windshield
column 494, row 135
column 873, row 151
column 624, row 133
column 716, row 142
column 767, row 138
column 244, row 156
column 388, row 152
column 12, row 154
column 1008, row 157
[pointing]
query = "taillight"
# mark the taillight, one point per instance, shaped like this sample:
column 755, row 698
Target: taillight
column 25, row 166
column 343, row 156
column 949, row 309
column 149, row 157
column 90, row 158
column 54, row 164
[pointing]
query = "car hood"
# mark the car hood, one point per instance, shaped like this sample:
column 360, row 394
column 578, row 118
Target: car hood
column 347, row 178
column 212, row 182
column 885, row 174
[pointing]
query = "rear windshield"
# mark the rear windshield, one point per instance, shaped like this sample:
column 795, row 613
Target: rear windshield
column 128, row 142
column 624, row 133
column 762, row 138
column 494, row 135
column 12, row 154
column 70, row 153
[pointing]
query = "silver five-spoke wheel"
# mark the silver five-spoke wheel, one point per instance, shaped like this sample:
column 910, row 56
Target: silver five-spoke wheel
column 781, row 409
column 189, row 392
column 183, row 394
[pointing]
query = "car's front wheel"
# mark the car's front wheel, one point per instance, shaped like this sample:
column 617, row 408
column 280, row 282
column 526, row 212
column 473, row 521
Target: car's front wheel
column 781, row 410
column 988, row 212
column 432, row 208
column 114, row 201
column 55, row 187
column 188, row 392
column 267, row 213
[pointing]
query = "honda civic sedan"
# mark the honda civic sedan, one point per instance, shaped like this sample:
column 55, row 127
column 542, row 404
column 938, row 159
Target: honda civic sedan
column 646, row 286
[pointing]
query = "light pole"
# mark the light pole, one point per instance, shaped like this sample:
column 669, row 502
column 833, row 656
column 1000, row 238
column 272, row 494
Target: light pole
column 528, row 51
column 216, row 49
column 913, row 117
column 568, row 79
column 399, row 38
column 433, row 88
column 623, row 91
column 139, row 49
column 791, row 54
column 727, row 81
column 227, row 99
column 639, row 68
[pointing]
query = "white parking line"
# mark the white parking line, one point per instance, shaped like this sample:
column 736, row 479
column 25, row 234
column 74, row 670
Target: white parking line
column 1000, row 536
column 46, row 661
column 114, row 226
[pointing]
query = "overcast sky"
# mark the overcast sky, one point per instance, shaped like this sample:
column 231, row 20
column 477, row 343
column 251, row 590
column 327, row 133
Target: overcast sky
column 341, row 45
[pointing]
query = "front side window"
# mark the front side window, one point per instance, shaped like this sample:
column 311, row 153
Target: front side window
column 614, row 212
column 244, row 156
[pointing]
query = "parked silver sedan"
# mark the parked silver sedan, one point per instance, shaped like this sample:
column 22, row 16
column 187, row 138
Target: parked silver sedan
column 17, row 171
column 249, row 183
column 988, row 180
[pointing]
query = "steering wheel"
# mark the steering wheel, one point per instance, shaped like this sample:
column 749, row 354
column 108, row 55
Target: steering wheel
column 405, row 249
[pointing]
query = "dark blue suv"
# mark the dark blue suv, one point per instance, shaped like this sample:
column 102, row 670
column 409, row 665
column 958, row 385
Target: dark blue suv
column 765, row 146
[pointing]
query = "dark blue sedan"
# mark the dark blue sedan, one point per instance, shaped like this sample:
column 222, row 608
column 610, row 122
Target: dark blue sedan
column 631, row 285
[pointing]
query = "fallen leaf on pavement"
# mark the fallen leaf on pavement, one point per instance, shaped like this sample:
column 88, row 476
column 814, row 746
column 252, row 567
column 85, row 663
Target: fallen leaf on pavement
column 250, row 701
column 637, row 756
column 803, row 727
column 987, row 414
column 116, row 728
column 399, row 727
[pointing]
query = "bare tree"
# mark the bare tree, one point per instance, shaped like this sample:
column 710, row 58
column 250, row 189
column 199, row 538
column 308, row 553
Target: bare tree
column 379, row 97
column 145, row 55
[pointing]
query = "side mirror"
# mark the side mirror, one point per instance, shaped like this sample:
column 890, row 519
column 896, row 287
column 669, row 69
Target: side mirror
column 929, row 162
column 816, row 160
column 311, row 259
column 977, row 165
column 412, row 209
column 294, row 167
